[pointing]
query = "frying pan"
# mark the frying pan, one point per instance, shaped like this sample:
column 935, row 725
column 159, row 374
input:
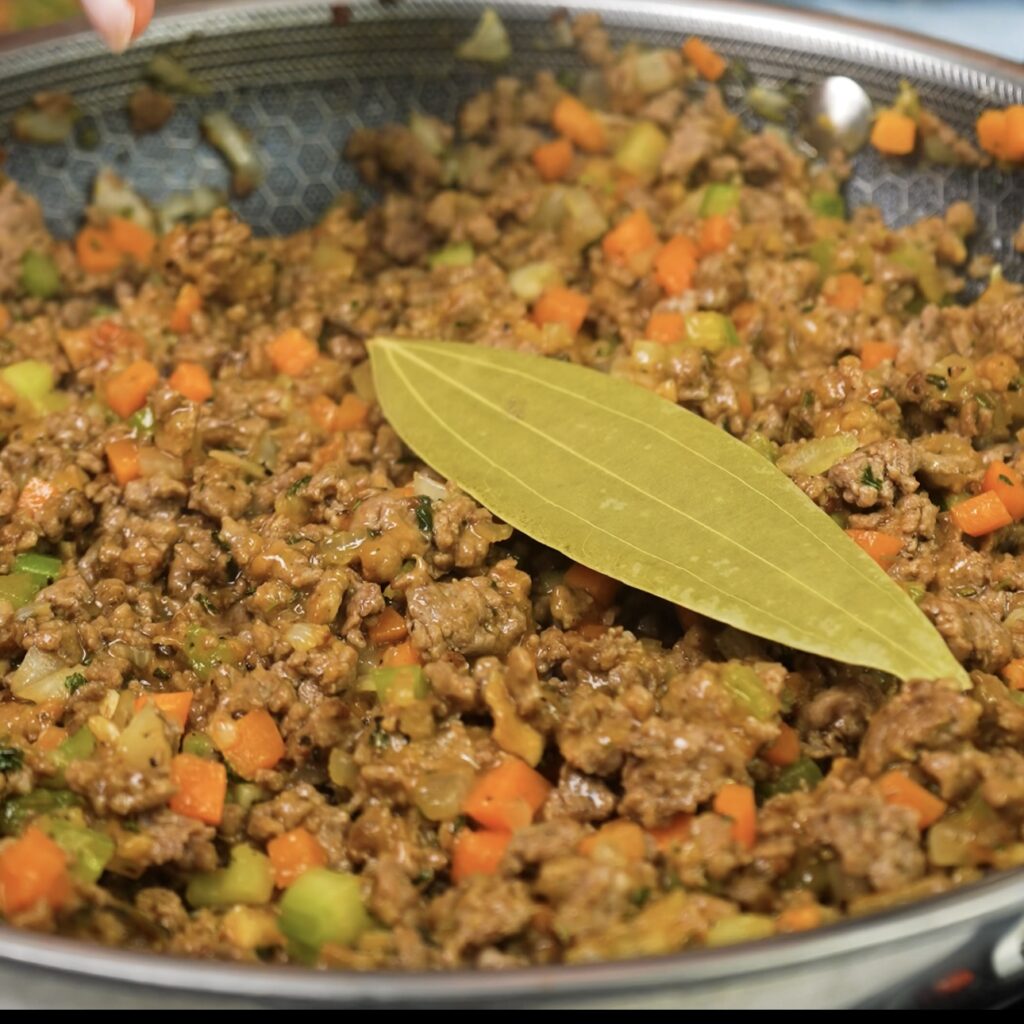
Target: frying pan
column 301, row 75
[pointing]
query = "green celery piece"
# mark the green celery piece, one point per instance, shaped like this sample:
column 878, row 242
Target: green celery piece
column 18, row 811
column 247, row 879
column 39, row 275
column 30, row 379
column 402, row 685
column 642, row 149
column 76, row 747
column 747, row 690
column 89, row 850
column 803, row 774
column 46, row 567
column 322, row 906
column 458, row 254
column 710, row 331
column 198, row 744
column 19, row 588
column 719, row 199
column 828, row 204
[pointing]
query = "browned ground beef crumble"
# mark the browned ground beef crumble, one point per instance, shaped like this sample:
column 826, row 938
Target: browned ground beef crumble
column 234, row 549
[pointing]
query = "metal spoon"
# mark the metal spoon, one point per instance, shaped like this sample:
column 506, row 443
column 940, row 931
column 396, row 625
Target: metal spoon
column 837, row 113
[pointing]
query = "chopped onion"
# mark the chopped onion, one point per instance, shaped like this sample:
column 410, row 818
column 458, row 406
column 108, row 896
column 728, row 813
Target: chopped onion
column 304, row 636
column 188, row 206
column 531, row 281
column 427, row 487
column 114, row 196
column 342, row 768
column 769, row 103
column 489, row 42
column 339, row 549
column 236, row 148
column 247, row 466
column 154, row 462
column 653, row 72
column 143, row 744
column 439, row 795
column 818, row 455
column 40, row 677
column 428, row 131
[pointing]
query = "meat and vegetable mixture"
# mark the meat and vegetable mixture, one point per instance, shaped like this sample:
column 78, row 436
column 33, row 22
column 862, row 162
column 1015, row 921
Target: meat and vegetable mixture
column 272, row 691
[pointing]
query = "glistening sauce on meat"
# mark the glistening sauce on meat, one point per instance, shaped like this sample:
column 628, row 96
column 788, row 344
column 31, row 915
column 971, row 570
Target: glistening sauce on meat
column 273, row 692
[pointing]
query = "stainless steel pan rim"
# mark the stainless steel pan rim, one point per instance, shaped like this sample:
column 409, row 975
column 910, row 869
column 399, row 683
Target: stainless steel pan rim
column 1000, row 897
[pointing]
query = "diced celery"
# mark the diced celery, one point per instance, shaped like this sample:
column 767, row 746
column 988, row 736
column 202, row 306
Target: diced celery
column 747, row 690
column 322, row 906
column 39, row 275
column 46, row 567
column 801, row 775
column 529, row 282
column 489, row 42
column 719, row 199
column 142, row 422
column 924, row 269
column 402, row 685
column 458, row 254
column 247, row 879
column 828, row 204
column 642, row 149
column 740, row 928
column 245, row 794
column 19, row 588
column 205, row 651
column 30, row 379
column 710, row 331
column 90, row 851
column 18, row 811
column 76, row 747
column 771, row 104
column 649, row 355
column 198, row 744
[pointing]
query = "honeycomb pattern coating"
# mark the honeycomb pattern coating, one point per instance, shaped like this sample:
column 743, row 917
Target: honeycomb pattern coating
column 301, row 83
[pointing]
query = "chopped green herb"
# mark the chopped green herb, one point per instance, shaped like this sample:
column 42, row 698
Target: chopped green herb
column 425, row 514
column 74, row 682
column 640, row 897
column 206, row 604
column 298, row 486
column 868, row 479
column 11, row 759
column 937, row 381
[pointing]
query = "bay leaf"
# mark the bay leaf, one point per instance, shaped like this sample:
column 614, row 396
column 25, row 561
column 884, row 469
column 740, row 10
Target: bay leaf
column 636, row 487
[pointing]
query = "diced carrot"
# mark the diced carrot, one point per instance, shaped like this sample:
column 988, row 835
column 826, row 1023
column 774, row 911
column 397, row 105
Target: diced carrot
column 709, row 63
column 844, row 291
column 898, row 788
column 874, row 353
column 666, row 328
column 5, row 318
column 96, row 251
column 984, row 513
column 799, row 919
column 716, row 232
column 192, row 381
column 675, row 832
column 388, row 628
column 257, row 745
column 737, row 802
column 51, row 738
column 579, row 124
column 174, row 706
column 126, row 392
column 553, row 159
column 478, row 853
column 882, row 547
column 893, row 133
column 622, row 839
column 1005, row 482
column 675, row 263
column 202, row 787
column 187, row 304
column 351, row 413
column 1014, row 137
column 292, row 353
column 294, row 853
column 603, row 589
column 123, row 458
column 34, row 496
column 33, row 869
column 1013, row 673
column 401, row 654
column 745, row 402
column 132, row 239
column 633, row 234
column 507, row 797
column 562, row 306
column 992, row 132
column 786, row 748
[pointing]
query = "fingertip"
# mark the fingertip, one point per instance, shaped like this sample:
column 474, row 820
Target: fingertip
column 143, row 16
